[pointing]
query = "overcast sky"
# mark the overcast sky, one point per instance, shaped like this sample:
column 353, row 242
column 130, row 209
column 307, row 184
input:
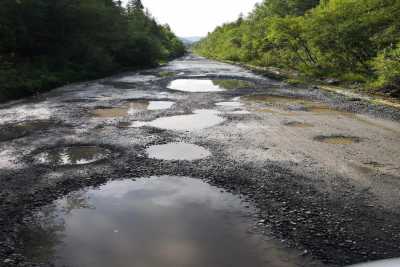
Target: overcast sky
column 197, row 17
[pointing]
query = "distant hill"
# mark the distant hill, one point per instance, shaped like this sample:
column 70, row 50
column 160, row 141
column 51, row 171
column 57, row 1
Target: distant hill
column 190, row 40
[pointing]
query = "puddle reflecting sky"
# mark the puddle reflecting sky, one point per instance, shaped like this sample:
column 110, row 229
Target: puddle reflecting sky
column 229, row 104
column 74, row 155
column 202, row 118
column 177, row 151
column 195, row 86
column 132, row 108
column 159, row 221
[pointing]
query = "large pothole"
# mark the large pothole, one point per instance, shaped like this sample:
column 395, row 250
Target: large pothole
column 164, row 221
column 198, row 86
column 338, row 139
column 134, row 106
column 177, row 151
column 201, row 119
column 72, row 155
column 195, row 86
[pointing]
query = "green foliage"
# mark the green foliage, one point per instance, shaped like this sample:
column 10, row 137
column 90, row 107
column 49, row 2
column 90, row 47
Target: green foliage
column 352, row 40
column 47, row 43
column 387, row 66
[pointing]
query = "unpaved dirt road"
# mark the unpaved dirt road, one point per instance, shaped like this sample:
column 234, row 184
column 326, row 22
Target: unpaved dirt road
column 317, row 174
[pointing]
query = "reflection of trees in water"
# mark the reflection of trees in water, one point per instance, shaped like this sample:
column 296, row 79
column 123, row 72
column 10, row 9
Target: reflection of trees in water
column 75, row 201
column 232, row 84
column 44, row 231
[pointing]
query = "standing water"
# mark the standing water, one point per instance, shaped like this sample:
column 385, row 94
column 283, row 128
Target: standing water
column 158, row 221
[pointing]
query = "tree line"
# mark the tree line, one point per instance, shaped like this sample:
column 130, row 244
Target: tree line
column 355, row 41
column 46, row 43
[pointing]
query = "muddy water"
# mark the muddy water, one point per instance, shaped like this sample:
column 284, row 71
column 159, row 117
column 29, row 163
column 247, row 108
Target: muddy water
column 298, row 124
column 229, row 104
column 201, row 119
column 233, row 84
column 177, row 151
column 194, row 86
column 158, row 221
column 73, row 155
column 338, row 139
column 131, row 108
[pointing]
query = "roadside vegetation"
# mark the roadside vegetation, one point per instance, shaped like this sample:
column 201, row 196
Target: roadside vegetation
column 45, row 43
column 356, row 42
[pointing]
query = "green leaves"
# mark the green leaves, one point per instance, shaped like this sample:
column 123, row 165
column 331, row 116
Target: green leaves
column 353, row 40
column 59, row 41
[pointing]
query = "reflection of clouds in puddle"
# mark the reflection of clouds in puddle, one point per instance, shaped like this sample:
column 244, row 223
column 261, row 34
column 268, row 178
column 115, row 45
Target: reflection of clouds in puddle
column 160, row 105
column 78, row 155
column 132, row 108
column 229, row 104
column 177, row 151
column 157, row 221
column 194, row 86
column 201, row 119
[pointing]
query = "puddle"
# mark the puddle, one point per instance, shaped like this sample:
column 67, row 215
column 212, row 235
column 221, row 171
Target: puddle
column 166, row 74
column 131, row 108
column 374, row 164
column 233, row 84
column 201, row 119
column 285, row 102
column 158, row 222
column 18, row 130
column 195, row 86
column 240, row 112
column 325, row 110
column 229, row 104
column 298, row 124
column 137, row 78
column 110, row 112
column 160, row 105
column 338, row 139
column 72, row 155
column 177, row 151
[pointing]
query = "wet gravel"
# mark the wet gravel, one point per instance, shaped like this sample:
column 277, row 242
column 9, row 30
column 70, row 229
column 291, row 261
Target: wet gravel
column 337, row 228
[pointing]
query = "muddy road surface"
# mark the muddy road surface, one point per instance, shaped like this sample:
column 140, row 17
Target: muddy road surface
column 197, row 163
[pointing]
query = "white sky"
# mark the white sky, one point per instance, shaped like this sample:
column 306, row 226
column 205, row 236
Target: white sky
column 197, row 17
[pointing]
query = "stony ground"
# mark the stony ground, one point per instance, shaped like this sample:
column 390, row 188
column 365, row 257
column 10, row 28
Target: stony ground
column 323, row 170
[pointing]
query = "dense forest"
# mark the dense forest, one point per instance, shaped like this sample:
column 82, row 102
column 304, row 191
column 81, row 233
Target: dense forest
column 46, row 43
column 354, row 41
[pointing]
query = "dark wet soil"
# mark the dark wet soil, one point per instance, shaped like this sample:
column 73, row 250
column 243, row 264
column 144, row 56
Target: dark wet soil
column 338, row 139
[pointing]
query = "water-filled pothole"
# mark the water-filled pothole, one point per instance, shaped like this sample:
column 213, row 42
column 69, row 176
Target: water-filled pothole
column 231, row 84
column 283, row 101
column 177, row 151
column 298, row 124
column 338, row 139
column 21, row 129
column 230, row 104
column 72, row 155
column 194, row 86
column 201, row 119
column 158, row 221
column 132, row 107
